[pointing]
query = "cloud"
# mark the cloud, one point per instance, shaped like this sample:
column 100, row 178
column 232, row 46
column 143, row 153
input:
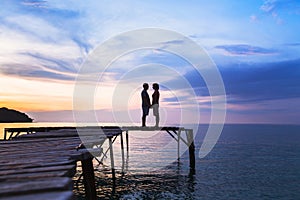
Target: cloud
column 254, row 18
column 33, row 71
column 35, row 3
column 41, row 66
column 269, row 5
column 262, row 81
column 52, row 63
column 296, row 44
column 171, row 99
column 41, row 41
column 281, row 111
column 49, row 40
column 245, row 50
column 275, row 7
column 42, row 23
column 174, row 42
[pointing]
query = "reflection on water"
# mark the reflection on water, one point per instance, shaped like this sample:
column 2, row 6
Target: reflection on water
column 147, row 151
column 248, row 162
column 167, row 183
column 150, row 167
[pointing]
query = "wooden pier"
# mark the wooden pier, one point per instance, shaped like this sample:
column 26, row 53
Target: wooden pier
column 40, row 164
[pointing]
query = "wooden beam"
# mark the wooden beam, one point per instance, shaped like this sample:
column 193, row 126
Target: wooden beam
column 178, row 145
column 112, row 162
column 89, row 179
column 122, row 152
column 61, row 195
column 127, row 141
column 190, row 138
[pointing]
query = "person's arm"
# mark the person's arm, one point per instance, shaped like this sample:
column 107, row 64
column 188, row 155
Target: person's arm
column 146, row 99
column 155, row 97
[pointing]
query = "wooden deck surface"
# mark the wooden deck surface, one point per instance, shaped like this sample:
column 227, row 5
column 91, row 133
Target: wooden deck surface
column 41, row 165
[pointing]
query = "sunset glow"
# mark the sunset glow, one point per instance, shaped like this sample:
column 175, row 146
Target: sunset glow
column 254, row 44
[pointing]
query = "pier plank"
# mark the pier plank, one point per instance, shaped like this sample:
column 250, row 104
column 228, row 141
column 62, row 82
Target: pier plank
column 34, row 175
column 34, row 164
column 65, row 195
column 40, row 165
column 70, row 169
column 38, row 185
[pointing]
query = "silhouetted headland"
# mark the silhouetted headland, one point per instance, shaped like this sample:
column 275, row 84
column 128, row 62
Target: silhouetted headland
column 10, row 116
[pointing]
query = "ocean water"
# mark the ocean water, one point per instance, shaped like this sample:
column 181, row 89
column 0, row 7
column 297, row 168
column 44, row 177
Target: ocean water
column 248, row 162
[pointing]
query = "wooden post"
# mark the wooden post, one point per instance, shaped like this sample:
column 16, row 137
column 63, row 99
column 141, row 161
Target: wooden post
column 5, row 133
column 127, row 141
column 190, row 138
column 113, row 173
column 178, row 145
column 122, row 151
column 89, row 179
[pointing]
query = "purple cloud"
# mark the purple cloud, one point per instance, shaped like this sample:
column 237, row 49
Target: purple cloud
column 35, row 3
column 293, row 44
column 243, row 50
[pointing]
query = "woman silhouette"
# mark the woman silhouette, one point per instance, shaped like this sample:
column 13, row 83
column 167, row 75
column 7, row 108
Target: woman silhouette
column 155, row 104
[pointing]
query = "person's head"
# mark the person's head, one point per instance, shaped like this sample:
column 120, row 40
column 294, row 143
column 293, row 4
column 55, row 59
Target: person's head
column 146, row 86
column 155, row 86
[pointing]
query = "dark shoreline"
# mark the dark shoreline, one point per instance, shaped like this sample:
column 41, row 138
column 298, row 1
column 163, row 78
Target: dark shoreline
column 13, row 116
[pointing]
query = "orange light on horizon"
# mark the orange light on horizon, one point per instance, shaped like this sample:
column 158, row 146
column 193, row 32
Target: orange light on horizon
column 35, row 94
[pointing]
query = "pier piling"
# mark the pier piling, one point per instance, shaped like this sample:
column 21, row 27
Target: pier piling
column 127, row 141
column 178, row 145
column 89, row 179
column 112, row 162
column 190, row 138
column 122, row 152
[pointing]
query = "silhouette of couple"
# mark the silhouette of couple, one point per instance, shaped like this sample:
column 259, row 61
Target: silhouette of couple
column 146, row 105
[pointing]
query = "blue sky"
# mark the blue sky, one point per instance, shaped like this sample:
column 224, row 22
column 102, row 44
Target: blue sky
column 254, row 44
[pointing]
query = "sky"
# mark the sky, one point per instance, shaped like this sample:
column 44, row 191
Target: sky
column 254, row 45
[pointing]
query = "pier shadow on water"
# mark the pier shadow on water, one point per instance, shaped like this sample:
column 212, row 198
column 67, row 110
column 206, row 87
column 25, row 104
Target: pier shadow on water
column 172, row 182
column 248, row 162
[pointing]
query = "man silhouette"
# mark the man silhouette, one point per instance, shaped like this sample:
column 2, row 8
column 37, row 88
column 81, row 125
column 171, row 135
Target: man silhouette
column 145, row 103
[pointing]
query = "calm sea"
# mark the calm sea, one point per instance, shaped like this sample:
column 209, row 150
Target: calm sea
column 248, row 162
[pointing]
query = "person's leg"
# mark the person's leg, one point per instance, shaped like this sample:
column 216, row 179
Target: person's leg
column 156, row 114
column 144, row 120
column 157, row 120
column 145, row 113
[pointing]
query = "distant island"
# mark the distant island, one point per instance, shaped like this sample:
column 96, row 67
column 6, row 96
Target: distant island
column 10, row 116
